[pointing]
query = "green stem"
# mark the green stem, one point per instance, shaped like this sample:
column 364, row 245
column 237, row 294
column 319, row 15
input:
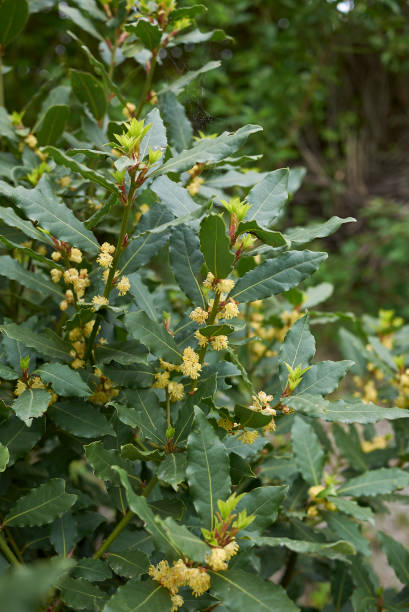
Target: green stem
column 14, row 545
column 123, row 523
column 148, row 84
column 1, row 78
column 7, row 552
column 210, row 321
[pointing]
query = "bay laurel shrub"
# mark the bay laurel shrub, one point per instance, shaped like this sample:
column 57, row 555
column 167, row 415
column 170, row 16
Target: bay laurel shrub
column 167, row 439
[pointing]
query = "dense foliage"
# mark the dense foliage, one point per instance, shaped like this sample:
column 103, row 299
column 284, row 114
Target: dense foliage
column 168, row 438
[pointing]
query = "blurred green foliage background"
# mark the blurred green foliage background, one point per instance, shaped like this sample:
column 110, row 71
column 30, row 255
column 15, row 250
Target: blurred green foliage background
column 328, row 81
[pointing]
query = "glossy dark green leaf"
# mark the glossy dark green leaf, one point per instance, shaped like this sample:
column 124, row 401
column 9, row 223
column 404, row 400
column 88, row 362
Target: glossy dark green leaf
column 136, row 595
column 63, row 534
column 172, row 470
column 211, row 331
column 41, row 505
column 142, row 296
column 268, row 197
column 374, row 482
column 80, row 419
column 349, row 444
column 272, row 238
column 63, row 379
column 348, row 506
column 277, row 275
column 207, row 472
column 149, row 33
column 102, row 460
column 398, row 556
column 4, row 457
column 323, row 378
column 89, row 91
column 298, row 347
column 80, row 594
column 332, row 550
column 215, row 246
column 174, row 196
column 35, row 281
column 263, row 502
column 187, row 260
column 93, row 570
column 52, row 124
column 128, row 563
column 153, row 335
column 308, row 453
column 300, row 235
column 127, row 352
column 179, row 128
column 18, row 438
column 143, row 411
column 47, row 345
column 349, row 530
column 13, row 17
column 188, row 544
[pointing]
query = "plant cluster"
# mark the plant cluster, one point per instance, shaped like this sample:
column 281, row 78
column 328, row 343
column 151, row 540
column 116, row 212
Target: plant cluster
column 167, row 439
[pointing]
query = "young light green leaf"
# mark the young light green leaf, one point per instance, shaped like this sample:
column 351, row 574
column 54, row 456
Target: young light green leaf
column 398, row 556
column 80, row 594
column 31, row 404
column 153, row 335
column 10, row 268
column 215, row 246
column 308, row 453
column 42, row 205
column 52, row 124
column 63, row 379
column 80, row 419
column 62, row 159
column 89, row 91
column 239, row 590
column 128, row 563
column 175, row 197
column 139, row 596
column 172, row 470
column 268, row 197
column 277, row 275
column 187, row 260
column 264, row 503
column 41, row 505
column 4, row 457
column 300, row 235
column 207, row 472
column 13, row 17
column 47, row 345
column 208, row 150
column 375, row 482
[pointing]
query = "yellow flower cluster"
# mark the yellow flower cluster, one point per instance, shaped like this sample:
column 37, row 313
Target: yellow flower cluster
column 218, row 558
column 123, row 286
column 261, row 403
column 179, row 575
column 191, row 366
column 199, row 316
column 105, row 390
column 402, row 384
column 35, row 382
column 379, row 442
column 243, row 435
column 248, row 437
column 77, row 338
column 75, row 255
column 194, row 185
column 105, row 257
column 219, row 343
column 316, row 502
column 229, row 311
column 176, row 391
column 100, row 300
column 220, row 285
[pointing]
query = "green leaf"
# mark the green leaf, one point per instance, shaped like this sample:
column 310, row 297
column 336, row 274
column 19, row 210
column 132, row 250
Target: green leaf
column 207, row 472
column 125, row 353
column 31, row 404
column 145, row 245
column 268, row 197
column 41, row 505
column 189, row 545
column 269, row 237
column 308, row 453
column 27, row 251
column 102, row 461
column 18, row 438
column 179, row 128
column 89, row 91
column 172, row 470
column 297, row 349
column 348, row 530
column 9, row 217
column 63, row 534
column 375, row 482
column 80, row 419
column 351, row 411
column 208, row 150
column 13, row 17
column 52, row 124
column 153, row 336
column 175, row 197
column 4, row 457
column 10, row 268
column 279, row 468
column 136, row 595
column 323, row 378
column 250, row 418
column 348, row 506
column 144, row 412
column 189, row 11
column 181, row 83
column 139, row 505
column 48, row 345
column 264, row 503
column 80, row 594
column 142, row 296
column 128, row 563
column 155, row 138
column 187, row 260
column 147, row 32
column 239, row 590
column 332, row 550
column 210, row 331
column 350, row 446
column 341, row 585
column 62, row 159
column 92, row 570
column 277, row 275
column 63, row 379
column 215, row 246
column 42, row 205
column 300, row 235
column 398, row 556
